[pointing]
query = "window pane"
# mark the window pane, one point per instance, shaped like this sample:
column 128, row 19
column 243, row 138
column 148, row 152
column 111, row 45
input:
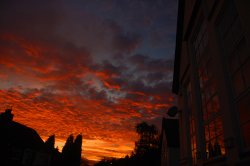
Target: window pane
column 244, row 109
column 209, row 110
column 242, row 50
column 219, row 127
column 203, row 96
column 216, row 105
column 207, row 133
column 212, row 87
column 193, row 126
column 205, row 114
column 194, row 157
column 194, row 138
column 244, row 112
column 246, row 134
column 221, row 144
column 212, row 130
column 246, row 72
column 236, row 31
column 238, row 82
column 234, row 63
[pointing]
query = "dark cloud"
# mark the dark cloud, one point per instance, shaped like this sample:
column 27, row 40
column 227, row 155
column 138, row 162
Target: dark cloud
column 155, row 76
column 138, row 59
column 123, row 41
column 111, row 69
column 32, row 19
column 127, row 42
column 43, row 61
column 146, row 63
column 159, row 89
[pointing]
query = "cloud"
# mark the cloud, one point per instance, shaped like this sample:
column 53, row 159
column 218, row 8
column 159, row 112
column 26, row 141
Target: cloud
column 78, row 95
column 29, row 18
column 155, row 76
column 123, row 41
column 145, row 63
column 66, row 69
column 127, row 42
column 42, row 61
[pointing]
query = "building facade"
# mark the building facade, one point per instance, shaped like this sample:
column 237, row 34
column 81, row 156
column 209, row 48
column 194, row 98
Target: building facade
column 212, row 81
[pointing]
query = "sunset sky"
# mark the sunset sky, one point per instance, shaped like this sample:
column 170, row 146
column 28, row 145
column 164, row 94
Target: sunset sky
column 95, row 67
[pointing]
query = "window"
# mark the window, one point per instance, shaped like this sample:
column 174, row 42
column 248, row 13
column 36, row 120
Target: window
column 211, row 113
column 192, row 126
column 214, row 133
column 200, row 41
column 235, row 47
column 210, row 5
column 239, row 66
column 244, row 111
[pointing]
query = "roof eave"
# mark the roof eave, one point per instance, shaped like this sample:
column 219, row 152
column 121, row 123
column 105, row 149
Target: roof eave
column 179, row 36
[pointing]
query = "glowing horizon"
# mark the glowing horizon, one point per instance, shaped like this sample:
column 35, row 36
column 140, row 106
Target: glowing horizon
column 91, row 149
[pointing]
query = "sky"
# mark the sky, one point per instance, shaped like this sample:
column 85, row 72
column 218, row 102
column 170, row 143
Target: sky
column 90, row 67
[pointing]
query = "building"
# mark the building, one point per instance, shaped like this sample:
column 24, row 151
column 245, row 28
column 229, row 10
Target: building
column 20, row 145
column 170, row 147
column 212, row 81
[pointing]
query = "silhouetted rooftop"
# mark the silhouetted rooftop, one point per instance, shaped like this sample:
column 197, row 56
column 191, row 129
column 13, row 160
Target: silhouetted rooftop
column 18, row 135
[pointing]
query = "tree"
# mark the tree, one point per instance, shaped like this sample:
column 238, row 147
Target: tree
column 68, row 144
column 50, row 143
column 147, row 138
column 67, row 156
column 71, row 152
column 77, row 150
column 146, row 152
column 147, row 148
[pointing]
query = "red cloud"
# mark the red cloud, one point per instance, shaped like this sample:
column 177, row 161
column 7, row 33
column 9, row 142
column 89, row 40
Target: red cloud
column 54, row 88
column 52, row 74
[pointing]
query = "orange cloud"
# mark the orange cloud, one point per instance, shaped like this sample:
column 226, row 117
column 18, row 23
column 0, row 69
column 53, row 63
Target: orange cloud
column 54, row 88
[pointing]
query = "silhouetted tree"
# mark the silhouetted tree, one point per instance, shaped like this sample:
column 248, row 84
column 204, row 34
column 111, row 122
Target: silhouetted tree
column 148, row 138
column 146, row 152
column 71, row 152
column 67, row 156
column 77, row 150
column 50, row 143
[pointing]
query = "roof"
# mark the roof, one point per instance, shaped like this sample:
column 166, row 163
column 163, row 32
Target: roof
column 17, row 135
column 178, row 45
column 171, row 129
